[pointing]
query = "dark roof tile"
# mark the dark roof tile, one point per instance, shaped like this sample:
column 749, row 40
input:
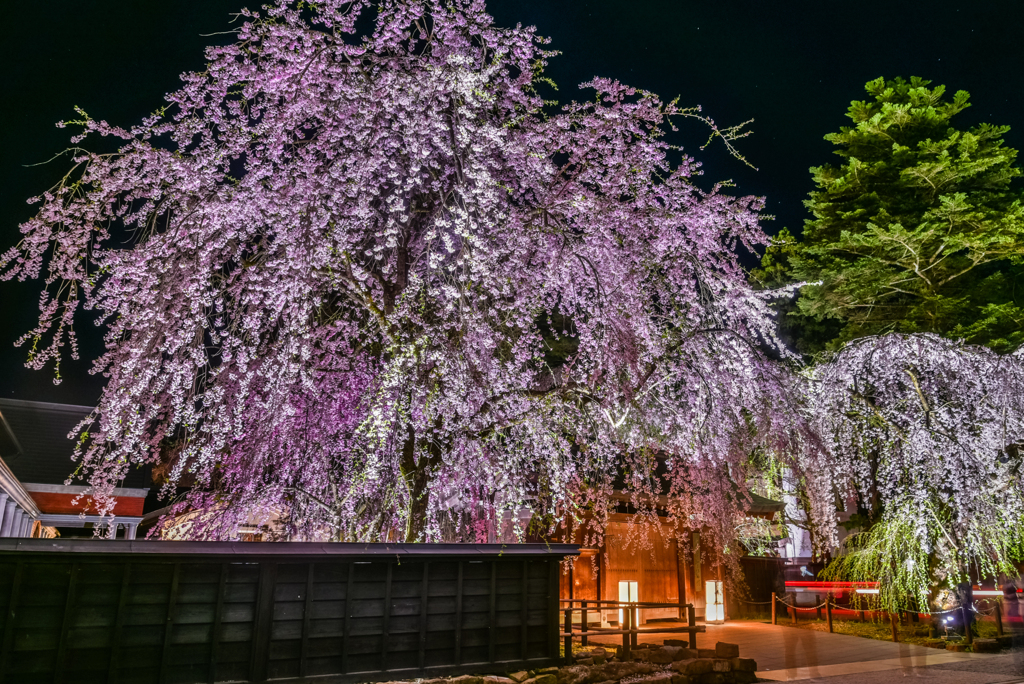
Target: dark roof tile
column 40, row 433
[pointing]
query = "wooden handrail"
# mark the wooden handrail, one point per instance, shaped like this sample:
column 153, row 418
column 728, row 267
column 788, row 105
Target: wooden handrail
column 657, row 630
column 629, row 634
column 593, row 603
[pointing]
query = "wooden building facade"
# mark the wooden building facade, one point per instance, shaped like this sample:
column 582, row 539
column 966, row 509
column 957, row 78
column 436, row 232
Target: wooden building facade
column 655, row 572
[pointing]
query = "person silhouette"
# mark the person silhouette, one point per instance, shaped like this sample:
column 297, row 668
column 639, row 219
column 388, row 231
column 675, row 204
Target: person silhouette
column 1012, row 609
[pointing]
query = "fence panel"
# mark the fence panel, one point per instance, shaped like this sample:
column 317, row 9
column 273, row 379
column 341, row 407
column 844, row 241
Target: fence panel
column 183, row 612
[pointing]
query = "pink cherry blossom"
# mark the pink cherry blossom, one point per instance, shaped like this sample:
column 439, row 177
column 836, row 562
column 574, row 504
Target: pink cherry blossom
column 334, row 267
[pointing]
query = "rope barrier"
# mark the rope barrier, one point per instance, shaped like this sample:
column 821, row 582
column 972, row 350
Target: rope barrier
column 821, row 605
column 871, row 610
column 778, row 600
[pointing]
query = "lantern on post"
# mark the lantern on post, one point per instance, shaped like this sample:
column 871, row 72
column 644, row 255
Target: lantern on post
column 714, row 602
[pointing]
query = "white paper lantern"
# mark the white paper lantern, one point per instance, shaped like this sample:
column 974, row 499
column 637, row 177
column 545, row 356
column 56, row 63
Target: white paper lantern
column 714, row 607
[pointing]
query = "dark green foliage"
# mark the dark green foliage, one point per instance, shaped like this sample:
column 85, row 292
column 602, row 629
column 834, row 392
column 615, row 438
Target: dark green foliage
column 917, row 230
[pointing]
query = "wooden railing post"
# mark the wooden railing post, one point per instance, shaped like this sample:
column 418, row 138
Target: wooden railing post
column 999, row 619
column 626, row 641
column 634, row 624
column 817, row 601
column 567, row 626
column 691, row 620
column 775, row 619
column 892, row 625
column 828, row 613
column 792, row 608
column 583, row 624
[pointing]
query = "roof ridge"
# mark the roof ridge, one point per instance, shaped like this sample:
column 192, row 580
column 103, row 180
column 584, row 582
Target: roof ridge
column 24, row 403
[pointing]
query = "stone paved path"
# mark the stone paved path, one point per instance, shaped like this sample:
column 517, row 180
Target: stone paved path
column 789, row 654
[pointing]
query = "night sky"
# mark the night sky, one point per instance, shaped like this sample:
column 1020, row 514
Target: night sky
column 792, row 66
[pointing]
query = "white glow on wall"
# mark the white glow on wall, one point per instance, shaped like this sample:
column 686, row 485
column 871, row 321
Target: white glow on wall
column 714, row 605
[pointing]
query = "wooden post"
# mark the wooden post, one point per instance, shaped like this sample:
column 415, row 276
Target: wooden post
column 862, row 618
column 583, row 624
column 775, row 619
column 792, row 609
column 968, row 637
column 817, row 602
column 999, row 619
column 828, row 614
column 627, row 619
column 634, row 625
column 691, row 620
column 892, row 625
column 567, row 628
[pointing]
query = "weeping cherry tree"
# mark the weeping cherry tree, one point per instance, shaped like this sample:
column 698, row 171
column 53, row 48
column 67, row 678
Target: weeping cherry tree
column 364, row 282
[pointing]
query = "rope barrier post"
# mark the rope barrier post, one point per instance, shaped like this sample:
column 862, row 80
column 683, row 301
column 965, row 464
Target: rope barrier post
column 691, row 620
column 862, row 618
column 568, row 635
column 892, row 624
column 583, row 625
column 775, row 619
column 999, row 619
column 828, row 615
column 817, row 599
column 792, row 610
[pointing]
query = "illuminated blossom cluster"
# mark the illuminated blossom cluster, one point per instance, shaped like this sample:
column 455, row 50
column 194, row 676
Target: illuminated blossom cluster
column 373, row 283
column 926, row 434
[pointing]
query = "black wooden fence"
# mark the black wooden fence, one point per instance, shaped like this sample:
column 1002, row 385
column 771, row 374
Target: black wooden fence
column 181, row 612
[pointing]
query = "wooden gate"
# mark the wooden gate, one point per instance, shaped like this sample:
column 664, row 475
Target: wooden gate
column 181, row 612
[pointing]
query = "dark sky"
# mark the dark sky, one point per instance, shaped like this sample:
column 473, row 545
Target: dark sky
column 793, row 66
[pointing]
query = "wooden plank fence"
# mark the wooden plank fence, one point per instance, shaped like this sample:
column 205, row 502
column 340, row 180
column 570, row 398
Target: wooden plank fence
column 144, row 612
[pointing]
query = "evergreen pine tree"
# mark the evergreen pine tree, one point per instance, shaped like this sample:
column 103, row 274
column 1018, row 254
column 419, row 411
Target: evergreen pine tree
column 917, row 230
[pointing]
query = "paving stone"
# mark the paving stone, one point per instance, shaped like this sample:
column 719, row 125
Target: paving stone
column 574, row 674
column 663, row 655
column 467, row 679
column 721, row 665
column 986, row 646
column 676, row 642
column 542, row 679
column 616, row 671
column 743, row 664
column 693, row 666
column 494, row 679
column 713, row 678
